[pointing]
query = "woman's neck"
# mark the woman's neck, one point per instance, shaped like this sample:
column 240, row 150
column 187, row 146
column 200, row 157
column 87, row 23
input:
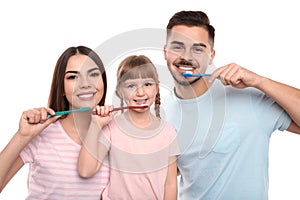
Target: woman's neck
column 76, row 125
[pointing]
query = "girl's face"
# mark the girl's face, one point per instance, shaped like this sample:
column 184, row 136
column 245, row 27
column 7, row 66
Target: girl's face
column 138, row 91
column 83, row 82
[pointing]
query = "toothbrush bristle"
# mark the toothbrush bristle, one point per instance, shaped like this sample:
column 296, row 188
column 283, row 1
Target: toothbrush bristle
column 141, row 106
column 187, row 73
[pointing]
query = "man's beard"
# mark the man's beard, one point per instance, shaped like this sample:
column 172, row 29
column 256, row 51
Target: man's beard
column 183, row 62
column 185, row 82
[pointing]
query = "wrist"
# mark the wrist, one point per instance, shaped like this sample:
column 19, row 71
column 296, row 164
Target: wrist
column 22, row 138
column 261, row 82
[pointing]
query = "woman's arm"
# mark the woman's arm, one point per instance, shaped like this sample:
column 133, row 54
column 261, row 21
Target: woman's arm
column 32, row 122
column 15, row 167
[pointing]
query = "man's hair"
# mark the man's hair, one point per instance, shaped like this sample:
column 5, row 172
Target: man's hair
column 192, row 18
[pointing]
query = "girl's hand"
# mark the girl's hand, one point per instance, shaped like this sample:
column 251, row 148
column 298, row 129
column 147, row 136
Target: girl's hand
column 102, row 115
column 35, row 120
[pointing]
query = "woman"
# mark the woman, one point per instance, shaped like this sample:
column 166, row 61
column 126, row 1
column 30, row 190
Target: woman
column 50, row 144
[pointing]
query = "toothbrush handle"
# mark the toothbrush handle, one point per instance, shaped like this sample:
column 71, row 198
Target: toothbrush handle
column 198, row 75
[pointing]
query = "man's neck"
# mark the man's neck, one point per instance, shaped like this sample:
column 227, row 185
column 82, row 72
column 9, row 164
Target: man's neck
column 191, row 91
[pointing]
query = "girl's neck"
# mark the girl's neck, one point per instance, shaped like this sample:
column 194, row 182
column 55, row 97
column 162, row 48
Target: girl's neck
column 141, row 120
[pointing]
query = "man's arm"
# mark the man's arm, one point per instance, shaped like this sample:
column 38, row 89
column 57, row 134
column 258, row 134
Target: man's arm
column 286, row 96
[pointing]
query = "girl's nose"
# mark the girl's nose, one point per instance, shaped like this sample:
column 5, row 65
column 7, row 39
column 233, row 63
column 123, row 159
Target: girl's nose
column 140, row 91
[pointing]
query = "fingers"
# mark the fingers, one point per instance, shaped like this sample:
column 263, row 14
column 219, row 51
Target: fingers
column 37, row 115
column 231, row 74
column 102, row 111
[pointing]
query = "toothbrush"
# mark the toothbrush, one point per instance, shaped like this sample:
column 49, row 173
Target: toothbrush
column 130, row 107
column 190, row 74
column 69, row 111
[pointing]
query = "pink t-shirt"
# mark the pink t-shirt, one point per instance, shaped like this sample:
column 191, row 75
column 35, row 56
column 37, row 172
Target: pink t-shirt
column 53, row 174
column 138, row 159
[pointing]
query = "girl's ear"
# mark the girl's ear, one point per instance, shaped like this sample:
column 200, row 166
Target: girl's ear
column 118, row 93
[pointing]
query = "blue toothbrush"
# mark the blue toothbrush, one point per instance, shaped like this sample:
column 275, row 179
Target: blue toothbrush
column 190, row 74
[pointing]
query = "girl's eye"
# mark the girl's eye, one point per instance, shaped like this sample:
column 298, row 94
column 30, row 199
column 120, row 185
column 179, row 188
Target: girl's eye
column 71, row 77
column 149, row 84
column 131, row 86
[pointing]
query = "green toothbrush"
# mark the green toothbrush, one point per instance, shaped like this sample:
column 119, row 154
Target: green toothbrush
column 69, row 111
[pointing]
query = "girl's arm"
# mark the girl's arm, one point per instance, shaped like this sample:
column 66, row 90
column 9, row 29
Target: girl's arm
column 171, row 181
column 32, row 122
column 92, row 151
column 91, row 154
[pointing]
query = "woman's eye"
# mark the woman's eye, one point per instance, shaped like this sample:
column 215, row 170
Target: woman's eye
column 71, row 77
column 95, row 74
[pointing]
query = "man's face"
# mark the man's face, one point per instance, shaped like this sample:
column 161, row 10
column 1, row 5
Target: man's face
column 188, row 49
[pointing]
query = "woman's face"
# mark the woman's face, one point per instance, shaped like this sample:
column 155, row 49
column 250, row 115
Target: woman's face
column 83, row 82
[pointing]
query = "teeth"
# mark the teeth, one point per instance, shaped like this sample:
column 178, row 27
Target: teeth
column 186, row 68
column 85, row 95
column 140, row 101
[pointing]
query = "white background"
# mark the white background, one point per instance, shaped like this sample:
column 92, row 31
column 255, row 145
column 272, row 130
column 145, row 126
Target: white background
column 260, row 35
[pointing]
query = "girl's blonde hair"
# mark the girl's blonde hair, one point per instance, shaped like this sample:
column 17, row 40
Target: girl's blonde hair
column 138, row 66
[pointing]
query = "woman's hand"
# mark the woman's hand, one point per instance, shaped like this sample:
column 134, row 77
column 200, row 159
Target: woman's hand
column 33, row 121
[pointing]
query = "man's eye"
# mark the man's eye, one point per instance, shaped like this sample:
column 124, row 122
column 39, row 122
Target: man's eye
column 176, row 48
column 197, row 50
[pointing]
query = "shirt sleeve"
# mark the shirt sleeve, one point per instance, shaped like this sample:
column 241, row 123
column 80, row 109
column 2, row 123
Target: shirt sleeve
column 173, row 143
column 270, row 114
column 104, row 137
column 29, row 153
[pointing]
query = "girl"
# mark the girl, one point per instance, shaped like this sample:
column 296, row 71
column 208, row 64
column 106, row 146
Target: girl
column 141, row 147
column 51, row 145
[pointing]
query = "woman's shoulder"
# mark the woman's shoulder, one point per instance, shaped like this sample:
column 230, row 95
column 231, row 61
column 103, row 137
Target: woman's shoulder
column 53, row 127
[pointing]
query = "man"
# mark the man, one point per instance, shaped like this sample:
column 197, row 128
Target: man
column 224, row 121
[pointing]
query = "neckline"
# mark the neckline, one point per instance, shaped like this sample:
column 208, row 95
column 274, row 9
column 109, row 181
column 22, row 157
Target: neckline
column 128, row 128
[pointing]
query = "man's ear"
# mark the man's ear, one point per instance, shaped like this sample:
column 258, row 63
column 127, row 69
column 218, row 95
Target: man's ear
column 165, row 52
column 212, row 56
